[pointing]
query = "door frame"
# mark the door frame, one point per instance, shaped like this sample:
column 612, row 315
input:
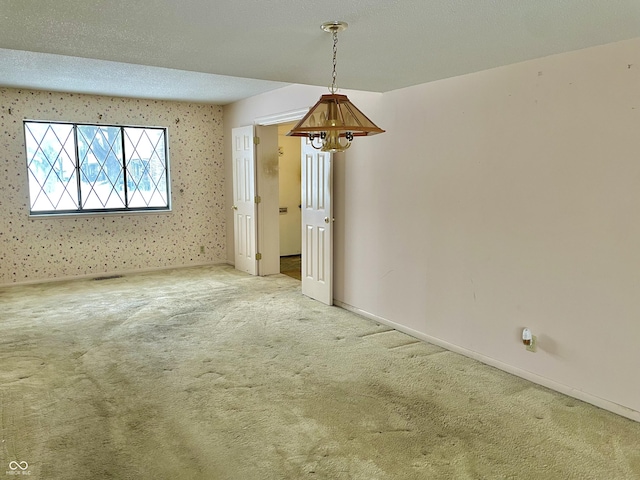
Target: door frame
column 279, row 118
column 267, row 188
column 268, row 241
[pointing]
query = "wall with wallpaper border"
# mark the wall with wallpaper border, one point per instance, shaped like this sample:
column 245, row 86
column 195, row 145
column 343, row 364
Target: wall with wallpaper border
column 46, row 248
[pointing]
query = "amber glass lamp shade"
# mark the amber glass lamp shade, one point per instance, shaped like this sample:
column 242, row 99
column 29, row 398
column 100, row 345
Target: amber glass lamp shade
column 332, row 123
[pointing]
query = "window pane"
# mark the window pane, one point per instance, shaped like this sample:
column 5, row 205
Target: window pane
column 145, row 158
column 73, row 168
column 101, row 175
column 51, row 162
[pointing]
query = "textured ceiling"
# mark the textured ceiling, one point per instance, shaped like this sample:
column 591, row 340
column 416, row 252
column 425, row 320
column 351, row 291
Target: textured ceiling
column 186, row 49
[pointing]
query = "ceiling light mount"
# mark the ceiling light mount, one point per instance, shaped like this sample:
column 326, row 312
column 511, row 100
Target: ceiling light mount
column 334, row 117
column 335, row 26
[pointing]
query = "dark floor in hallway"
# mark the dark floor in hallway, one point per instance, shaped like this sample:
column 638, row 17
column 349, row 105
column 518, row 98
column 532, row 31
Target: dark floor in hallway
column 291, row 266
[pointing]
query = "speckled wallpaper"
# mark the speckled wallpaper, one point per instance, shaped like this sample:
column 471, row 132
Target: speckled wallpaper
column 44, row 248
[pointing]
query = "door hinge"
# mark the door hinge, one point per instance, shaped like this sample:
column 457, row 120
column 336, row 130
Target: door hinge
column 258, row 199
column 258, row 256
column 256, row 140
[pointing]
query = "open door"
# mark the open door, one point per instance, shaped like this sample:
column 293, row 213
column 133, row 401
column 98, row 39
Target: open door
column 244, row 200
column 317, row 224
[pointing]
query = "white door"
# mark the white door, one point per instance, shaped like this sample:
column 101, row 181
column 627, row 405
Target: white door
column 244, row 203
column 317, row 224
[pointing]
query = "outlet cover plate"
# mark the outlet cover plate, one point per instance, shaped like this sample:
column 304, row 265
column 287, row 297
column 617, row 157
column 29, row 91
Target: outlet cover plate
column 533, row 346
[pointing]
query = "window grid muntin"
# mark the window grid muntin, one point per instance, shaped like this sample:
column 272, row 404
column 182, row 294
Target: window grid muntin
column 43, row 186
column 103, row 166
column 165, row 196
column 146, row 166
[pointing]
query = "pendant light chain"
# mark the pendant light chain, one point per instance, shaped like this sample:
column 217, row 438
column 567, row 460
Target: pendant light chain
column 333, row 122
column 333, row 88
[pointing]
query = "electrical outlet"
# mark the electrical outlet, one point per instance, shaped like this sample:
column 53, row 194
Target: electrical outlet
column 533, row 346
column 201, row 248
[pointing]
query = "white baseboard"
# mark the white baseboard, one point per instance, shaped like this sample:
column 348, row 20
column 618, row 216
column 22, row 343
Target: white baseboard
column 532, row 377
column 109, row 274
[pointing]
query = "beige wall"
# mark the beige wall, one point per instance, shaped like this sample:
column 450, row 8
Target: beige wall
column 289, row 172
column 498, row 200
column 35, row 249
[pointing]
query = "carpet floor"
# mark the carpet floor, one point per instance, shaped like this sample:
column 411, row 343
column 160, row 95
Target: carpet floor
column 208, row 373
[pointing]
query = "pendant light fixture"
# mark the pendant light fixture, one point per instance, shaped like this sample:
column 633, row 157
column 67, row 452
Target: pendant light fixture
column 333, row 122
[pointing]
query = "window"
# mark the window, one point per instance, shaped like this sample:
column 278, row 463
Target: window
column 79, row 168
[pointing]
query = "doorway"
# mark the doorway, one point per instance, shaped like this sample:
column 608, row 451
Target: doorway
column 290, row 203
column 313, row 196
